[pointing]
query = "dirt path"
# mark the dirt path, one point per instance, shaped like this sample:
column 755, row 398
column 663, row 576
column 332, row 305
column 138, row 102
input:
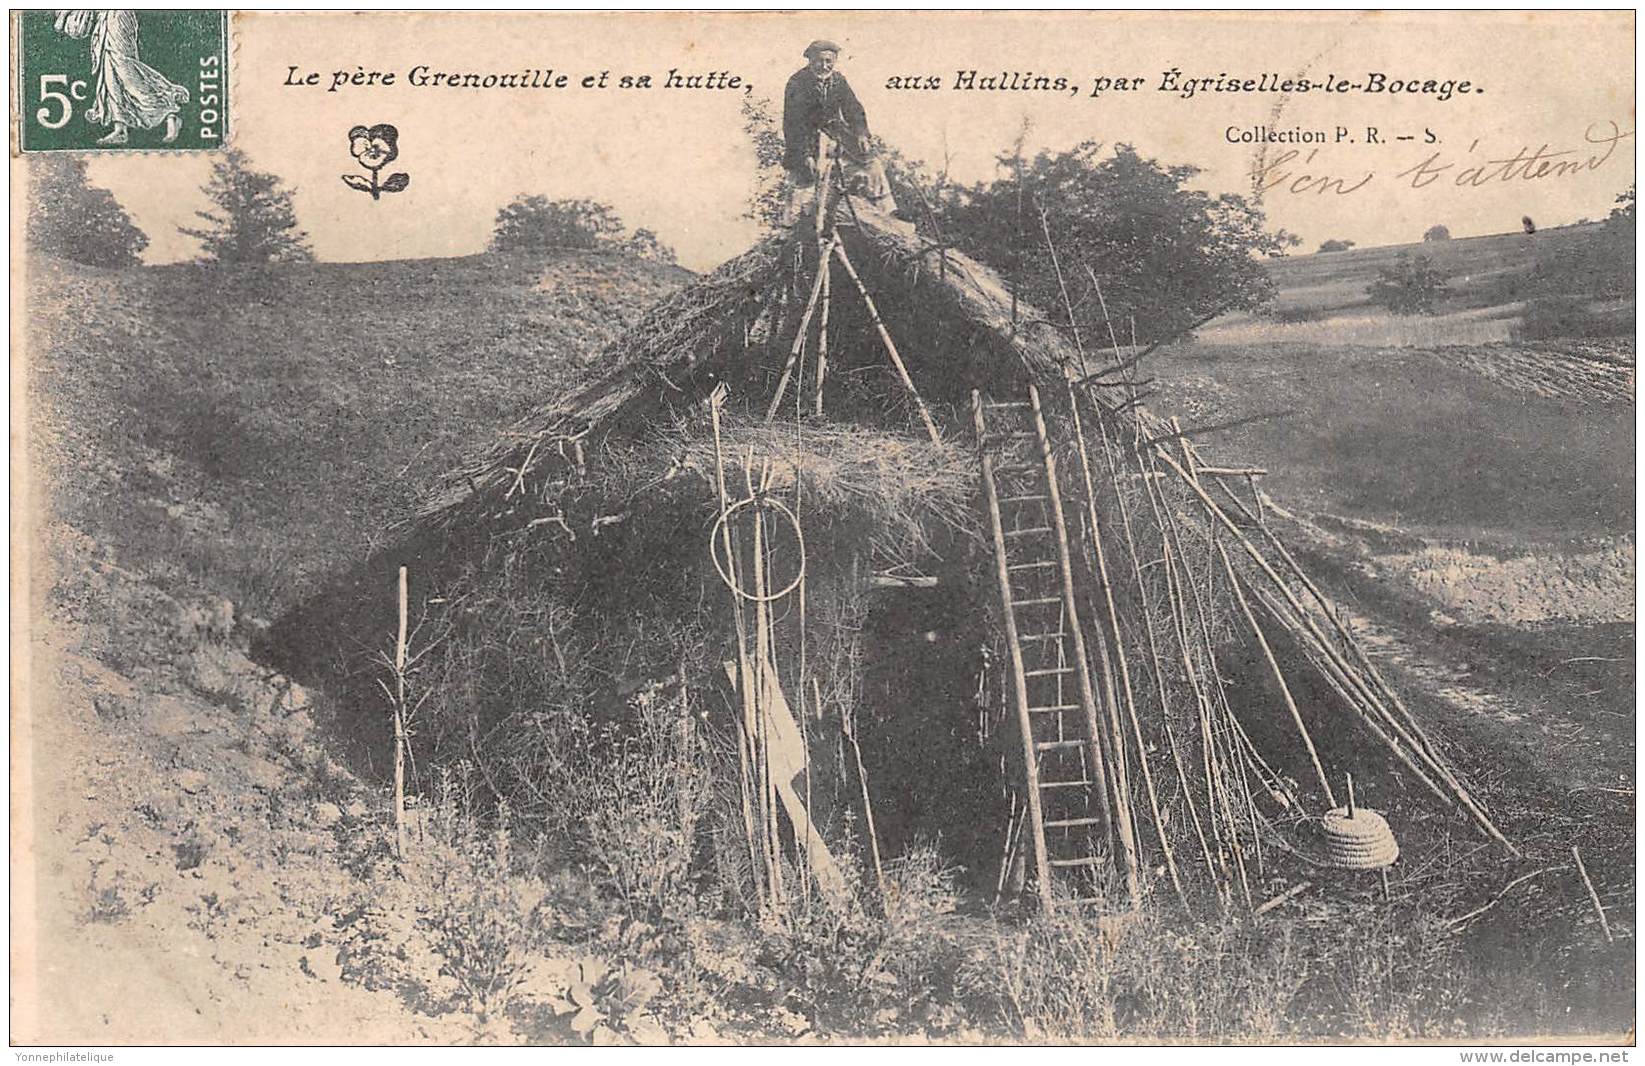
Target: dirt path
column 1521, row 659
column 181, row 834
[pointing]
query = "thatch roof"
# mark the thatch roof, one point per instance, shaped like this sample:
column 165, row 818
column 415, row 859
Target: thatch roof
column 677, row 352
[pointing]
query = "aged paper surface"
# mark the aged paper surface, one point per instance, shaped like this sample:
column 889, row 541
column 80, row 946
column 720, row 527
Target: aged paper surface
column 1170, row 475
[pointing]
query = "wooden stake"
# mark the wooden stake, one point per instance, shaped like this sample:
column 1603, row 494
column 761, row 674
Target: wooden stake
column 1593, row 895
column 1178, row 606
column 1284, row 897
column 762, row 683
column 1220, row 762
column 890, row 345
column 1216, row 790
column 400, row 725
column 850, row 731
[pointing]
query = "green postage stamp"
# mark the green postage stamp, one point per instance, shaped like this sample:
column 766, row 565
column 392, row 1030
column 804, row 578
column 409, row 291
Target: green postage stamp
column 122, row 80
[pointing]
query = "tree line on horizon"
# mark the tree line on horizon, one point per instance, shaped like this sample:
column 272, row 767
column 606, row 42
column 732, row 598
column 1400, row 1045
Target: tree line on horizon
column 252, row 220
column 1105, row 241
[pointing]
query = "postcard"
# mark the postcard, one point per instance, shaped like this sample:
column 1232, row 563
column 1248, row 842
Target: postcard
column 821, row 527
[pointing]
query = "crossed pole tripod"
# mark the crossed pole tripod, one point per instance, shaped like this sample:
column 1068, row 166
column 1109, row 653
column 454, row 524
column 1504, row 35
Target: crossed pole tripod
column 831, row 247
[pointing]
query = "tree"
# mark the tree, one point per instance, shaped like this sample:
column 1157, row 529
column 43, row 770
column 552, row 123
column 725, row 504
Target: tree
column 538, row 223
column 1163, row 255
column 72, row 219
column 254, row 220
column 644, row 243
column 1335, row 245
column 1410, row 286
column 765, row 204
column 1623, row 212
column 1437, row 233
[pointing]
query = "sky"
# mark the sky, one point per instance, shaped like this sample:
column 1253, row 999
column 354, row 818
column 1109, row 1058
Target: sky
column 676, row 160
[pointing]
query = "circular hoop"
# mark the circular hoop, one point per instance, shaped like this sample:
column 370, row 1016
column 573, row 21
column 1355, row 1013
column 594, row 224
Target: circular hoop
column 714, row 552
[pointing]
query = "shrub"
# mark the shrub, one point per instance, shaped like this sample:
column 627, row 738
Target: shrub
column 1553, row 317
column 536, row 222
column 462, row 924
column 1335, row 245
column 646, row 802
column 1437, row 233
column 855, row 965
column 1410, row 286
column 71, row 219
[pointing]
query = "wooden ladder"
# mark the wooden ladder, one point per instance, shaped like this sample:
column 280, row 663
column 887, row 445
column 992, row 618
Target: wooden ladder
column 1066, row 776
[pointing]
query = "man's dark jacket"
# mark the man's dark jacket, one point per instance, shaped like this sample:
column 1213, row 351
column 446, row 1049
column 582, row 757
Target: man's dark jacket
column 811, row 104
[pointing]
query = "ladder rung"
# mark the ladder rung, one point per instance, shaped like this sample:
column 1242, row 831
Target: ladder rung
column 1048, row 671
column 1023, row 499
column 1092, row 861
column 1070, row 823
column 1008, row 469
column 1081, row 783
column 1054, row 745
column 1054, row 707
column 1040, row 636
column 1014, row 567
column 1008, row 435
column 997, row 405
column 1027, row 532
column 1037, row 602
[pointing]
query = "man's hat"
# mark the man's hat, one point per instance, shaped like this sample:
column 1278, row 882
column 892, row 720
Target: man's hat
column 820, row 46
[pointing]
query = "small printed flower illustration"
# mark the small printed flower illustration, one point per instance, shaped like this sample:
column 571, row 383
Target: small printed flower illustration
column 375, row 147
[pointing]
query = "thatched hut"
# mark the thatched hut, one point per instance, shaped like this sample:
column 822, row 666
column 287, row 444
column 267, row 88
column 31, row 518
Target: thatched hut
column 780, row 502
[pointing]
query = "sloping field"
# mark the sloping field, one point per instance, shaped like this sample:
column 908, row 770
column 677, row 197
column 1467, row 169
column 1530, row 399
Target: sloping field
column 1482, row 271
column 1411, row 438
column 263, row 427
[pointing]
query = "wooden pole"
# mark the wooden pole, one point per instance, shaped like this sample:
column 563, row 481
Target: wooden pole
column 850, row 730
column 400, row 724
column 890, row 345
column 1215, row 790
column 745, row 731
column 764, row 683
column 1593, row 895
column 1199, row 594
column 1279, row 675
column 1062, row 287
column 799, row 335
column 827, row 269
column 1155, row 659
column 1094, row 530
column 1178, row 606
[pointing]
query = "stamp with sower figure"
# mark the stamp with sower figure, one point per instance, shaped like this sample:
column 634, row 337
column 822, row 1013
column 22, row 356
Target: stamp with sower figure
column 122, row 80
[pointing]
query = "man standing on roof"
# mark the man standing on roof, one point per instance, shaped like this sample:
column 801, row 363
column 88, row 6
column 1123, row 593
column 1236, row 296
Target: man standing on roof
column 824, row 124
